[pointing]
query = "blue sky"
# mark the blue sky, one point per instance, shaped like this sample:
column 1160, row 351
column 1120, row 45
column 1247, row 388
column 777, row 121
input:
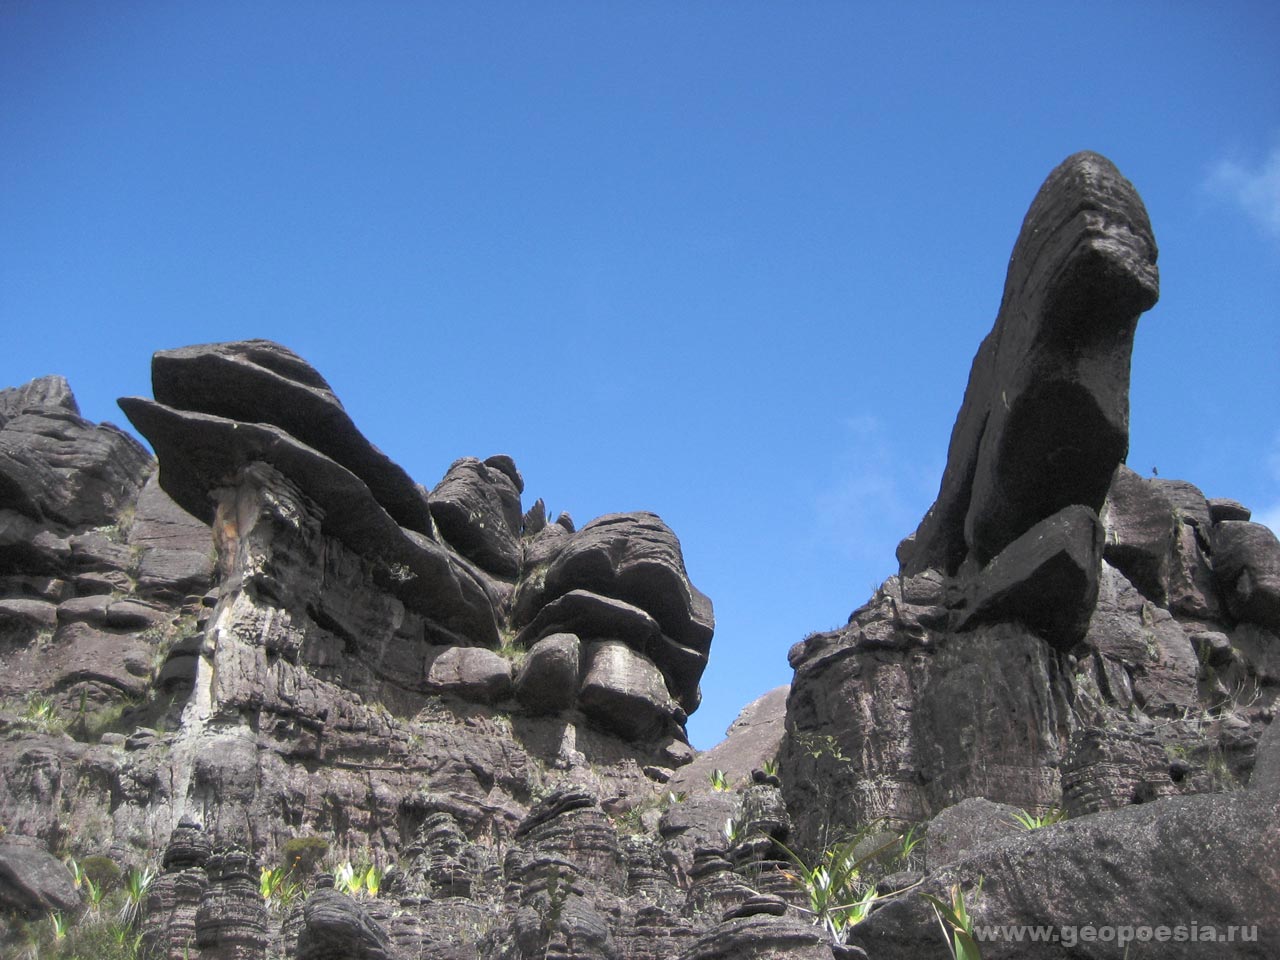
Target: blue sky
column 727, row 262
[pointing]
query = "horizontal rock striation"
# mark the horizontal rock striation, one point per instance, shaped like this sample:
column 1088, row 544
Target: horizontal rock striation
column 276, row 641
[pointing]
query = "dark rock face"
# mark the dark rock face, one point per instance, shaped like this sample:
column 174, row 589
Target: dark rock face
column 1045, row 418
column 1246, row 565
column 57, row 467
column 751, row 741
column 1208, row 860
column 477, row 509
column 636, row 559
column 1046, row 579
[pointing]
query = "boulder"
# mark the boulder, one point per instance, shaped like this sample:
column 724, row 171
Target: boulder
column 548, row 679
column 1045, row 418
column 472, row 673
column 28, row 547
column 336, row 927
column 1246, row 565
column 966, row 825
column 32, row 881
column 477, row 510
column 623, row 691
column 1223, row 508
column 25, row 617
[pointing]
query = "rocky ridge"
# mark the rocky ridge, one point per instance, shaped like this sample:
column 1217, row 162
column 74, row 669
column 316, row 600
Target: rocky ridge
column 275, row 650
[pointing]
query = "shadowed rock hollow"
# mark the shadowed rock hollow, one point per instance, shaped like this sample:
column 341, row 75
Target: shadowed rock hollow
column 275, row 649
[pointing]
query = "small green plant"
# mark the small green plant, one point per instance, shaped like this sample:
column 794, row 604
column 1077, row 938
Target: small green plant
column 732, row 830
column 957, row 925
column 558, row 890
column 126, row 941
column 41, row 713
column 818, row 747
column 136, row 884
column 839, row 896
column 94, row 890
column 907, row 844
column 59, row 924
column 278, row 888
column 362, row 881
column 1030, row 821
column 719, row 781
column 300, row 855
column 770, row 767
column 101, row 870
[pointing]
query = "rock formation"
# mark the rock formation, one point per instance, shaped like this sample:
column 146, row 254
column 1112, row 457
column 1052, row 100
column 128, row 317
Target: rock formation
column 278, row 637
column 342, row 715
column 1062, row 634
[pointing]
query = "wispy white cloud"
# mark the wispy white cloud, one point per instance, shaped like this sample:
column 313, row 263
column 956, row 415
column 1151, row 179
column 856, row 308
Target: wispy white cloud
column 875, row 494
column 1255, row 189
column 1271, row 517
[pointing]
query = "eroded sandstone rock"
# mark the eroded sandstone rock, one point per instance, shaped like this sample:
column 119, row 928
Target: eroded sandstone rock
column 1045, row 419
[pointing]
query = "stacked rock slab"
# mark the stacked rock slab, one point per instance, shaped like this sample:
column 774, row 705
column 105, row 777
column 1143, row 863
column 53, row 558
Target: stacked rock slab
column 1062, row 632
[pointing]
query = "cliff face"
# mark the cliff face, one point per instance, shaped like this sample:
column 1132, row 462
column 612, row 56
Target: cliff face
column 278, row 636
column 274, row 649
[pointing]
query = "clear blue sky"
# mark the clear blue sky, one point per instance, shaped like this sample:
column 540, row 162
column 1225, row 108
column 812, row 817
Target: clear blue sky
column 725, row 261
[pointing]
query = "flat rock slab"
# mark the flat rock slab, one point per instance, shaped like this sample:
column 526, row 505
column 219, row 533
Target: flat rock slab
column 1047, row 579
column 200, row 453
column 258, row 381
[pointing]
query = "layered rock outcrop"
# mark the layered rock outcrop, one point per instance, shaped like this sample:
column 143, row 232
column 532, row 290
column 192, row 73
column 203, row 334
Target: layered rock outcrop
column 347, row 716
column 279, row 636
